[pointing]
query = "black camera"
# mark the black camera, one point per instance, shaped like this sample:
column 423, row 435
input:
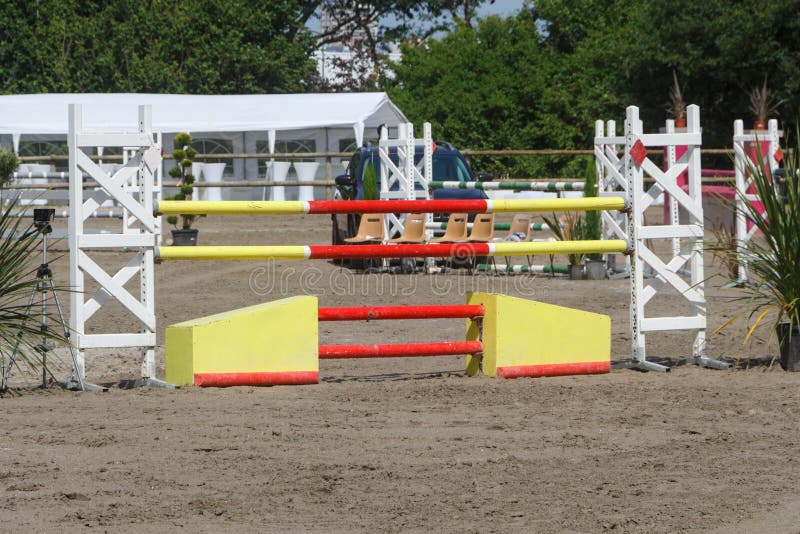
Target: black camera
column 42, row 217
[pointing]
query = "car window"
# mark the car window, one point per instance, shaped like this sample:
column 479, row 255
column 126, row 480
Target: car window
column 450, row 167
column 445, row 166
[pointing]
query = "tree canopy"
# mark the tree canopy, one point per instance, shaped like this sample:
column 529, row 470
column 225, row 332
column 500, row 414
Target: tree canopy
column 541, row 78
column 160, row 46
column 537, row 79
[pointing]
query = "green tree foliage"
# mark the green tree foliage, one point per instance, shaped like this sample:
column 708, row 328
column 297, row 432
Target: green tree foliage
column 720, row 49
column 495, row 87
column 160, row 46
column 368, row 28
column 541, row 78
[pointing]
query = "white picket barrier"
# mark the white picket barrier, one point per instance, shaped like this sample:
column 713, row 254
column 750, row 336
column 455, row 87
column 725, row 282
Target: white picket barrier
column 744, row 163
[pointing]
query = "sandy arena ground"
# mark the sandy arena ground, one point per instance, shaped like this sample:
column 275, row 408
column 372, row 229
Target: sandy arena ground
column 408, row 444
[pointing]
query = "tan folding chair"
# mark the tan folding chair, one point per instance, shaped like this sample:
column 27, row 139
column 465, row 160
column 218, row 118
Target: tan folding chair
column 482, row 232
column 413, row 231
column 520, row 224
column 520, row 229
column 455, row 232
column 482, row 229
column 370, row 232
column 456, row 229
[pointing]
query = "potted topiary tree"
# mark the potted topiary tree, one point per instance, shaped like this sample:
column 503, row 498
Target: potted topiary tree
column 184, row 156
column 592, row 226
column 773, row 258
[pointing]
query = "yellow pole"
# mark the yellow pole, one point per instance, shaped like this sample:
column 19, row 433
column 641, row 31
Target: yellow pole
column 291, row 252
column 560, row 247
column 230, row 207
column 558, row 204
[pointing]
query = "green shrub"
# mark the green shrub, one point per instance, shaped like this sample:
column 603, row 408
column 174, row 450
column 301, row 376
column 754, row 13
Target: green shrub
column 371, row 190
column 592, row 225
column 9, row 163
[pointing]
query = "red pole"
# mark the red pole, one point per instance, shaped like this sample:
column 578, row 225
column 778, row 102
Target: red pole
column 397, row 206
column 375, row 313
column 442, row 250
column 439, row 348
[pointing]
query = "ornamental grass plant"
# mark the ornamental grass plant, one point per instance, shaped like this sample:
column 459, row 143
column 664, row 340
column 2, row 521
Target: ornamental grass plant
column 19, row 323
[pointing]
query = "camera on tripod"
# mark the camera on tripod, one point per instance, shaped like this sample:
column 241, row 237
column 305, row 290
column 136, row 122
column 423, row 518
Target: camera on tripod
column 42, row 217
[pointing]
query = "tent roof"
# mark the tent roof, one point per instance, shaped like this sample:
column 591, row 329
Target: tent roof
column 47, row 113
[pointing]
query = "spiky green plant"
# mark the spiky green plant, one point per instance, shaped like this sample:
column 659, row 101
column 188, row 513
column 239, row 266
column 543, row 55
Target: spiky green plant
column 762, row 104
column 677, row 105
column 568, row 228
column 773, row 258
column 18, row 265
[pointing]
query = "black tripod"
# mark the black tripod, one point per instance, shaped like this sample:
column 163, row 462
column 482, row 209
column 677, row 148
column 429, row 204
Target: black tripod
column 44, row 283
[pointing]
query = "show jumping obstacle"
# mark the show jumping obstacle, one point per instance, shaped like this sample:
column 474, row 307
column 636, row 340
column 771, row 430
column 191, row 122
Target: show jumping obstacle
column 509, row 347
column 239, row 347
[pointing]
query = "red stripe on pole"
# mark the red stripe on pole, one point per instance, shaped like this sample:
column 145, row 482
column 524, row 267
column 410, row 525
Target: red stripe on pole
column 556, row 369
column 443, row 250
column 375, row 313
column 442, row 348
column 288, row 378
column 397, row 206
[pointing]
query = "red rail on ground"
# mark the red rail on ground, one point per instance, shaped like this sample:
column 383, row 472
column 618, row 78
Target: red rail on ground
column 397, row 206
column 442, row 250
column 439, row 348
column 374, row 313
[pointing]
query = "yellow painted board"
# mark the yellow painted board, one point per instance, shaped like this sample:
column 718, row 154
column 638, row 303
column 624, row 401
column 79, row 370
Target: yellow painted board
column 266, row 344
column 527, row 338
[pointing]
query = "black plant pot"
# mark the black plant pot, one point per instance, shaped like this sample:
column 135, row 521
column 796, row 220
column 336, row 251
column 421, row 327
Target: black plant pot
column 596, row 270
column 790, row 346
column 184, row 237
column 576, row 272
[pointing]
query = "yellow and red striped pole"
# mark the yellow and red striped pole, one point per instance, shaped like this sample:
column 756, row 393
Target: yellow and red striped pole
column 246, row 207
column 434, row 250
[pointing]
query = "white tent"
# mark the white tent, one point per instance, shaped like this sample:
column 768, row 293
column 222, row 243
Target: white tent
column 228, row 123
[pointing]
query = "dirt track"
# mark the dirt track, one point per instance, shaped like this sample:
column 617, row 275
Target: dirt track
column 405, row 444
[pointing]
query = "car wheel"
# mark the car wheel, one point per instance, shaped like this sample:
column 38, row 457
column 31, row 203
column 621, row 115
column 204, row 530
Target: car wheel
column 338, row 230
